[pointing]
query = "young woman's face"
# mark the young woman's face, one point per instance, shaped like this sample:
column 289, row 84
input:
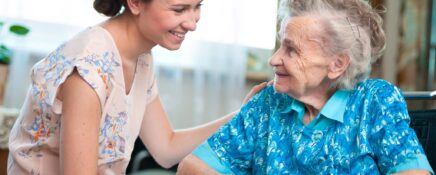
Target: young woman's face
column 166, row 22
column 300, row 64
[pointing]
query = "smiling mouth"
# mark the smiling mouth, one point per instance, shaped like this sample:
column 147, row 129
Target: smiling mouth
column 178, row 34
column 281, row 74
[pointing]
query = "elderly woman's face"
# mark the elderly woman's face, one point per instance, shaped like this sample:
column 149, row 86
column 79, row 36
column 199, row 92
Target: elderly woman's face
column 300, row 65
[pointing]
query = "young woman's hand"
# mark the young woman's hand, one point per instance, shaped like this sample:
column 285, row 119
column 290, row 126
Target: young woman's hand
column 255, row 90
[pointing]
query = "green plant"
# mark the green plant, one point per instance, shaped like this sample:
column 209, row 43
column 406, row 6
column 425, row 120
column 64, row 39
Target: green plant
column 5, row 52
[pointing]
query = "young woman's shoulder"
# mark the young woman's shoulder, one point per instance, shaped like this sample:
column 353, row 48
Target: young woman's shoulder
column 93, row 40
column 91, row 53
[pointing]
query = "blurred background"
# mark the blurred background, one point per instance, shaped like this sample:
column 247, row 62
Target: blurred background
column 217, row 64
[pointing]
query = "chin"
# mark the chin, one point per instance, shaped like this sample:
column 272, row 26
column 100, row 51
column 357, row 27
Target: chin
column 171, row 47
column 285, row 88
column 279, row 88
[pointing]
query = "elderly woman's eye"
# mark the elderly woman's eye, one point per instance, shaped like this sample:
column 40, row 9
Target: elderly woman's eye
column 290, row 50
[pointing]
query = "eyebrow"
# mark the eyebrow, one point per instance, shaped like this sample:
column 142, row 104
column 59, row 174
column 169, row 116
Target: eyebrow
column 289, row 42
column 186, row 5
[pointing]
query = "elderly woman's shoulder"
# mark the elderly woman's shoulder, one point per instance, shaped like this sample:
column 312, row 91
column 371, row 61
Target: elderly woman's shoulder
column 377, row 86
column 266, row 92
column 376, row 82
column 269, row 93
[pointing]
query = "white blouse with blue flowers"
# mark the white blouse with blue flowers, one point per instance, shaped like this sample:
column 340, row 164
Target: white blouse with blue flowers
column 34, row 139
column 363, row 131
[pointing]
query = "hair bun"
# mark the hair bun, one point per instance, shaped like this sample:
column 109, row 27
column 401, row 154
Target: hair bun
column 108, row 7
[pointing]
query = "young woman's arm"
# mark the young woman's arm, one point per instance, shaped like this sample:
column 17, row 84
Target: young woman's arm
column 168, row 147
column 191, row 165
column 80, row 121
column 413, row 172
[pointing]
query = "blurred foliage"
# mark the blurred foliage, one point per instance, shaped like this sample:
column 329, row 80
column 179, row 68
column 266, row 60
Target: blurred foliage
column 5, row 52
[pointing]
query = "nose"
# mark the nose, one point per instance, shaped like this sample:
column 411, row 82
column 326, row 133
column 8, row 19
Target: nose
column 191, row 20
column 276, row 59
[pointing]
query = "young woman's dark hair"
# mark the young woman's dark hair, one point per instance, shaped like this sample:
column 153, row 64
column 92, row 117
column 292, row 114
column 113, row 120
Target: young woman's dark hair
column 111, row 7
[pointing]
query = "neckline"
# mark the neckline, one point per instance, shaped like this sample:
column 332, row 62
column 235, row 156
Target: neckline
column 120, row 70
column 127, row 93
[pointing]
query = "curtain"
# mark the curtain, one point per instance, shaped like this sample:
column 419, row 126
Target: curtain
column 203, row 80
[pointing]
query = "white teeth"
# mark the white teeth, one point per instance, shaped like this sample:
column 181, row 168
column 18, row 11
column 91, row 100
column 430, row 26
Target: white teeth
column 180, row 35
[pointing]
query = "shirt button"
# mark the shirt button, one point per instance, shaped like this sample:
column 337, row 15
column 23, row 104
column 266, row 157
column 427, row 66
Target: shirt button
column 321, row 160
column 317, row 135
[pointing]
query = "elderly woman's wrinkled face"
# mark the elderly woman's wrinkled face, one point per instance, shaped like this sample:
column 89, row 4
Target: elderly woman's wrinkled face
column 300, row 64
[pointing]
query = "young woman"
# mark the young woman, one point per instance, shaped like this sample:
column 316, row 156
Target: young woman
column 91, row 97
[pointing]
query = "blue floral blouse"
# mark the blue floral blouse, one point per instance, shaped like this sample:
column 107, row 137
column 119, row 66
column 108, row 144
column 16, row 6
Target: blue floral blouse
column 361, row 131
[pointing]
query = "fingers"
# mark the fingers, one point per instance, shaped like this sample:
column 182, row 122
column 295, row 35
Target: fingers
column 258, row 87
column 270, row 82
column 254, row 91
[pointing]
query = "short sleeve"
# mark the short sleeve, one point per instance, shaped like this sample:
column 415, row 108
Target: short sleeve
column 97, row 77
column 234, row 143
column 395, row 144
column 208, row 156
column 51, row 72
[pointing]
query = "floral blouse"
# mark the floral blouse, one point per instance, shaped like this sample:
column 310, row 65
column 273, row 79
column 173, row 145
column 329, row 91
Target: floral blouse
column 362, row 131
column 34, row 139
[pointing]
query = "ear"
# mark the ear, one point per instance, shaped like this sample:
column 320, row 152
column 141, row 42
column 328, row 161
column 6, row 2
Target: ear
column 134, row 6
column 338, row 66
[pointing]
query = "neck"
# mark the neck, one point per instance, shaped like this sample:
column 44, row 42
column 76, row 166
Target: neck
column 317, row 98
column 314, row 104
column 127, row 36
column 310, row 113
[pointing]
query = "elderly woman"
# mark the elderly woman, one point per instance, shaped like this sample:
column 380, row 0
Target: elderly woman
column 322, row 116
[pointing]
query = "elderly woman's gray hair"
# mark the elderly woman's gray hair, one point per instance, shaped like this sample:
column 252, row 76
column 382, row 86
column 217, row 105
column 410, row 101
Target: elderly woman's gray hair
column 349, row 27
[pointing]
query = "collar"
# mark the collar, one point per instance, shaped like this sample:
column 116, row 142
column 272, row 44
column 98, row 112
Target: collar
column 334, row 108
column 296, row 106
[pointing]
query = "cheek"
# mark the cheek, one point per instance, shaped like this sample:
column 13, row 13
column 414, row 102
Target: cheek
column 160, row 20
column 160, row 24
column 295, row 66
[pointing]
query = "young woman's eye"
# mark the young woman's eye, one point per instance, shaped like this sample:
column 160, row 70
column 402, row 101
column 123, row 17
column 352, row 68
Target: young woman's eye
column 181, row 10
column 198, row 6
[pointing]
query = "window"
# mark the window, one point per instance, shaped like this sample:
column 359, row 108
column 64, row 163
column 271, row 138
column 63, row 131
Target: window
column 247, row 22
